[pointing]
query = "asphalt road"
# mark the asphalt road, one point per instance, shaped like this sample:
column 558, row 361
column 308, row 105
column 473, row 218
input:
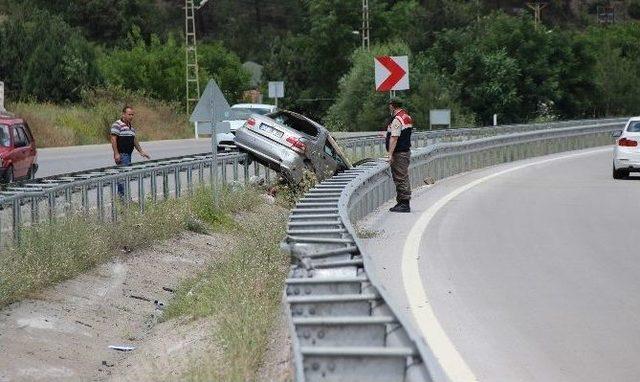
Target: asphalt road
column 522, row 272
column 60, row 160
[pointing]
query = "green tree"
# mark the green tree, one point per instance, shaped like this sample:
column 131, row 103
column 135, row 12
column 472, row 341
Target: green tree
column 548, row 64
column 109, row 21
column 617, row 68
column 158, row 68
column 44, row 58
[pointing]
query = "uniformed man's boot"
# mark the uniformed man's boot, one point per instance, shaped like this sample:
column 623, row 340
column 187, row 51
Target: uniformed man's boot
column 402, row 206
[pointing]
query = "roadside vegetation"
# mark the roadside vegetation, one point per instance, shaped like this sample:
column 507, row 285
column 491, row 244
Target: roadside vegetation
column 51, row 253
column 241, row 292
column 88, row 121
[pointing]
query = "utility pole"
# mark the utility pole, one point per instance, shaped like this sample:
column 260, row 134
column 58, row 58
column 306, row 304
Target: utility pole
column 365, row 25
column 537, row 10
column 192, row 79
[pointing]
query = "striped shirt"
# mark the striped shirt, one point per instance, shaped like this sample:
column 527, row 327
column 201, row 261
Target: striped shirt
column 126, row 136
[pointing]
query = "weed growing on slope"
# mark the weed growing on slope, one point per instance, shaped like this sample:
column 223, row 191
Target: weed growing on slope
column 53, row 252
column 242, row 294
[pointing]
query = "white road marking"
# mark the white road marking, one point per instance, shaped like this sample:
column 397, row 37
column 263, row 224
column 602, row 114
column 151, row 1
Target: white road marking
column 443, row 349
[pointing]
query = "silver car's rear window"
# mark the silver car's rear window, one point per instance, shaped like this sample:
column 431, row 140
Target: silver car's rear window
column 634, row 127
column 293, row 122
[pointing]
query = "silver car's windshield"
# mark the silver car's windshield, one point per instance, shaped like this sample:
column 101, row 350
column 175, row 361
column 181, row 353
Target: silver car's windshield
column 634, row 127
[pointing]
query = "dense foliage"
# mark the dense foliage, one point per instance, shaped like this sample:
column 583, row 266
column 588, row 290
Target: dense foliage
column 477, row 58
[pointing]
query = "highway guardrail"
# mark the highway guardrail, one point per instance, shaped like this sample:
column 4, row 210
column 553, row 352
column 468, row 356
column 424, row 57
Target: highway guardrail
column 343, row 323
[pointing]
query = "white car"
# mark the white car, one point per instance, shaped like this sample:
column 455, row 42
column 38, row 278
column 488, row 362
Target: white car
column 238, row 115
column 626, row 155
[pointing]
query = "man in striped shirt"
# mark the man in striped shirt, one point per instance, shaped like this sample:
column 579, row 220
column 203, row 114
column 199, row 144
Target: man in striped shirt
column 123, row 141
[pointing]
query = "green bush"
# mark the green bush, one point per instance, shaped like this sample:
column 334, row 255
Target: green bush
column 158, row 68
column 43, row 58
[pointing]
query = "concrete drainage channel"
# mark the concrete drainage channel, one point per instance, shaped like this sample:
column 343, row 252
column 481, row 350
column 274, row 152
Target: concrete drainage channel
column 342, row 323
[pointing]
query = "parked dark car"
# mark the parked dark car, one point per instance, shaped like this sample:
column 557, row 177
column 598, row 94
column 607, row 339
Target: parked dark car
column 18, row 151
column 290, row 144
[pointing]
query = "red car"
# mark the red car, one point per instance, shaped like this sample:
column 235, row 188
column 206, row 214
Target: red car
column 17, row 149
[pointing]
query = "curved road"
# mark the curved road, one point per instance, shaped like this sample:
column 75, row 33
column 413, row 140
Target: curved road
column 528, row 271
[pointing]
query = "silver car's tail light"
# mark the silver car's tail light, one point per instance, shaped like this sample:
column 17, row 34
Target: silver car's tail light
column 251, row 123
column 296, row 143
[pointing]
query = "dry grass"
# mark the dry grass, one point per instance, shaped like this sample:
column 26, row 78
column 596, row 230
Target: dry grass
column 242, row 294
column 88, row 123
column 50, row 253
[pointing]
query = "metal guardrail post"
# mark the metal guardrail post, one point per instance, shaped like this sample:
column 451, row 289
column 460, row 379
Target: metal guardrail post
column 177, row 181
column 51, row 200
column 84, row 194
column 166, row 192
column 127, row 190
column 17, row 220
column 100, row 200
column 235, row 170
column 224, row 163
column 245, row 169
column 154, row 186
column 201, row 173
column 114, row 200
column 68, row 203
column 190, row 179
column 212, row 175
column 35, row 211
column 141, row 193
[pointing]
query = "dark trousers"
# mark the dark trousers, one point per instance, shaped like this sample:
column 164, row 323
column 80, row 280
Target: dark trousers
column 400, row 173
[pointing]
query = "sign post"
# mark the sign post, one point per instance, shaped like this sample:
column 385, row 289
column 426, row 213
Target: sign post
column 214, row 152
column 276, row 90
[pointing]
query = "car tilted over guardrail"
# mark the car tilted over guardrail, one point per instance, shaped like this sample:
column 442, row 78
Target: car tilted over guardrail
column 343, row 324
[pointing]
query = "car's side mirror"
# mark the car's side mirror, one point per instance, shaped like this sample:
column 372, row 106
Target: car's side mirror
column 616, row 134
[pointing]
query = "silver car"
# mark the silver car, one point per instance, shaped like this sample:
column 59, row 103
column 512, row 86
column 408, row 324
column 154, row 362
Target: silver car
column 290, row 143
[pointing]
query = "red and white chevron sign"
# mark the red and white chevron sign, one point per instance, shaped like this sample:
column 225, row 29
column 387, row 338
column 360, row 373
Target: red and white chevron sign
column 392, row 73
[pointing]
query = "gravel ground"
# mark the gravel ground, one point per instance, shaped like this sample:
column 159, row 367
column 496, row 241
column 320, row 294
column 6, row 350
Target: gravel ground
column 64, row 333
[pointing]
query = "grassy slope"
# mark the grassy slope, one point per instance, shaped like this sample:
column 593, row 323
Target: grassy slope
column 51, row 253
column 68, row 125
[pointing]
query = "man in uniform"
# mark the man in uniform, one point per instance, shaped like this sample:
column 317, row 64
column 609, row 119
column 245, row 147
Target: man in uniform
column 398, row 145
column 123, row 141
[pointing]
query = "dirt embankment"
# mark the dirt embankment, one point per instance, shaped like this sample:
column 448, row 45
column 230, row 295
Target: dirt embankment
column 64, row 333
